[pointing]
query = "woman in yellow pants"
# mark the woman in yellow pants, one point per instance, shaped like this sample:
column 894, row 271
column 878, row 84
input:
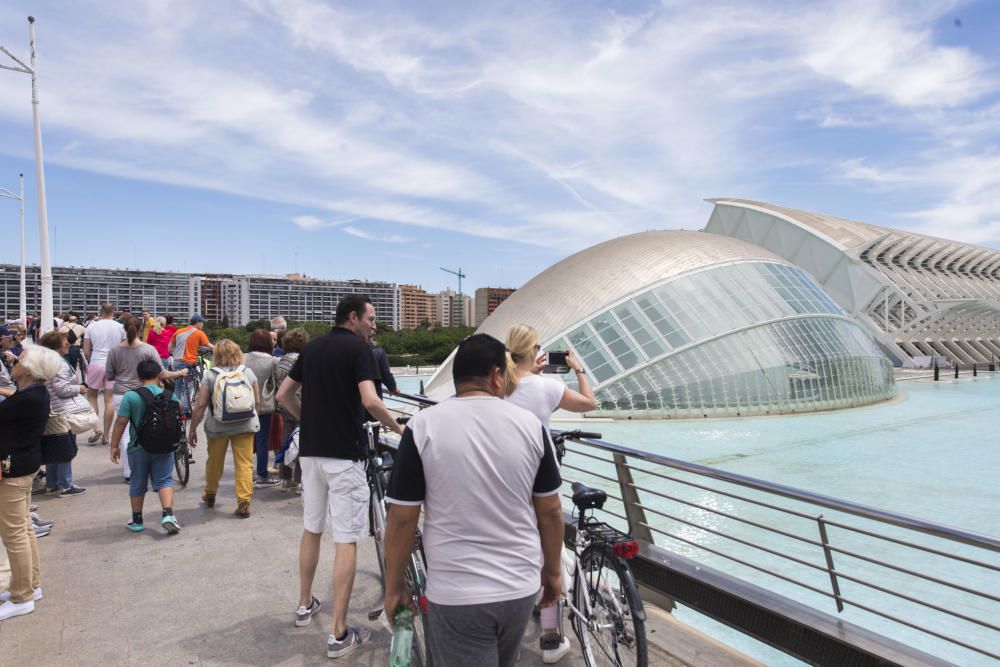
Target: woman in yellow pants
column 230, row 419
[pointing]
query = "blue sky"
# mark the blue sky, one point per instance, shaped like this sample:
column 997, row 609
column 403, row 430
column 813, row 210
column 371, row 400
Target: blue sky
column 383, row 140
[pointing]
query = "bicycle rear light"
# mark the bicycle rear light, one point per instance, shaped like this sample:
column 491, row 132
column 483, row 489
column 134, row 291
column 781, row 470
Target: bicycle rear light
column 627, row 549
column 423, row 603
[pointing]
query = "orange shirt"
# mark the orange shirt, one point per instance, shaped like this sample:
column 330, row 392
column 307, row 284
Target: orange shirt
column 191, row 337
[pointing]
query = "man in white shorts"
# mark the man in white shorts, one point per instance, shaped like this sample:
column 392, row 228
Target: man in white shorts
column 337, row 375
column 102, row 335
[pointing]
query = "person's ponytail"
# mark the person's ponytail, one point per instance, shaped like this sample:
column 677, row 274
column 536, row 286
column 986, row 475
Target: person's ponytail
column 512, row 377
column 132, row 327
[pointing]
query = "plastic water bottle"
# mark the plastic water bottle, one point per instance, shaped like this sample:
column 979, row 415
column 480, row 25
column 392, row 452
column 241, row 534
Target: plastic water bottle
column 402, row 639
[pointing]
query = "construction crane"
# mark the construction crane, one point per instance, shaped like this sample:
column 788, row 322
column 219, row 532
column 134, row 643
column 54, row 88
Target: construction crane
column 461, row 305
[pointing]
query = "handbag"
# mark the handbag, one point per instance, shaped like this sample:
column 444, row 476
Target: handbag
column 56, row 425
column 83, row 421
column 268, row 394
column 58, row 448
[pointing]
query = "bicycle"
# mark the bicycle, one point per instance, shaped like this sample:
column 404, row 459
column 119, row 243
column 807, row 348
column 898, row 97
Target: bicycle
column 190, row 387
column 378, row 467
column 607, row 614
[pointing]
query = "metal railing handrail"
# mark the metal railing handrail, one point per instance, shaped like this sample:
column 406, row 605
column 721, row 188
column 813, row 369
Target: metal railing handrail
column 846, row 506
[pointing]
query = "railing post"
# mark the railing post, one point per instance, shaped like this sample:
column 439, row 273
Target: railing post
column 829, row 563
column 937, row 371
column 956, row 369
column 637, row 524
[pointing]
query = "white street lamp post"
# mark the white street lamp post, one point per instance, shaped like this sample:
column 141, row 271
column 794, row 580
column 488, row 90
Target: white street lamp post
column 23, row 313
column 43, row 219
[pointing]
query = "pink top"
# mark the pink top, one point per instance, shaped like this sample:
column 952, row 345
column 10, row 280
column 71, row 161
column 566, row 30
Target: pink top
column 161, row 340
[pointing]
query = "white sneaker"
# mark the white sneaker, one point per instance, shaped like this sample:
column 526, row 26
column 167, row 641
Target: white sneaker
column 554, row 655
column 11, row 609
column 355, row 637
column 6, row 595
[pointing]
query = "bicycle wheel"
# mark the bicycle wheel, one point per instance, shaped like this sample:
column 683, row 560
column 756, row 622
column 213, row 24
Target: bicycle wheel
column 416, row 580
column 615, row 632
column 376, row 516
column 181, row 465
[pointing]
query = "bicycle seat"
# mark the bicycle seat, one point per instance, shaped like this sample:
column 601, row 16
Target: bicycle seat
column 586, row 498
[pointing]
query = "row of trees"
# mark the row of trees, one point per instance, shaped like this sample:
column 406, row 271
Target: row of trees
column 424, row 346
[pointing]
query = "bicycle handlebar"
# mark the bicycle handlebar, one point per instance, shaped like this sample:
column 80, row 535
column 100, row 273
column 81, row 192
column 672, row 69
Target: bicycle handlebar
column 576, row 434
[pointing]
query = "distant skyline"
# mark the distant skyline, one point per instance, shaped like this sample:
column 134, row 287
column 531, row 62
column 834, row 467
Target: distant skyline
column 383, row 140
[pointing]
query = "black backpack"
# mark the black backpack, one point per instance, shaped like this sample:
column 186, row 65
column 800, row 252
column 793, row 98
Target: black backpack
column 160, row 430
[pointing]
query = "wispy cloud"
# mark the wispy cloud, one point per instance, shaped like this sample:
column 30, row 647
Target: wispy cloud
column 519, row 125
column 381, row 238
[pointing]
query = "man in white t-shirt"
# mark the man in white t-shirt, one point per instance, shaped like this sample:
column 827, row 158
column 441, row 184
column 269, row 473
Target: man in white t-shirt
column 100, row 336
column 486, row 474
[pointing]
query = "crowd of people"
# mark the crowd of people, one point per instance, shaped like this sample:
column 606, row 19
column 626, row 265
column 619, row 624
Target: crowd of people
column 480, row 467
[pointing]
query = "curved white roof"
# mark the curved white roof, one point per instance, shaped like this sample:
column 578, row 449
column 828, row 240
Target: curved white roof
column 584, row 283
column 918, row 295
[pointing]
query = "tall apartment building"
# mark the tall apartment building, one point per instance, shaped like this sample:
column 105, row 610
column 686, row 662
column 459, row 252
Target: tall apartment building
column 418, row 307
column 241, row 299
column 487, row 300
column 84, row 290
column 298, row 297
column 454, row 310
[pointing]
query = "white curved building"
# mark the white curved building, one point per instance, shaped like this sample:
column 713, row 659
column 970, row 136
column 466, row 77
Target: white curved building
column 917, row 295
column 690, row 324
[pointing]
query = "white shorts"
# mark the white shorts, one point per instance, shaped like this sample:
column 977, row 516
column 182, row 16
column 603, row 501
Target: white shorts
column 335, row 490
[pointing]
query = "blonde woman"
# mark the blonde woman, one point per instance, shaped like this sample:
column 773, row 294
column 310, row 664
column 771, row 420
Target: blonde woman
column 536, row 393
column 227, row 359
column 540, row 395
column 159, row 337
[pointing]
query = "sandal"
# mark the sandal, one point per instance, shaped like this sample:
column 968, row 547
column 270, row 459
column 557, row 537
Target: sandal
column 95, row 437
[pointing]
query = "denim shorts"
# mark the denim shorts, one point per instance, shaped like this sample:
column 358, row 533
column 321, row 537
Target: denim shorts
column 154, row 469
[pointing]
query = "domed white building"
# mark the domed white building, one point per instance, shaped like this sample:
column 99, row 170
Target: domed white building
column 692, row 324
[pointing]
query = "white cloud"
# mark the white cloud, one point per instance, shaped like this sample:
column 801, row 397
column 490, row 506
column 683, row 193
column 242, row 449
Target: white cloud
column 887, row 49
column 381, row 238
column 966, row 190
column 510, row 124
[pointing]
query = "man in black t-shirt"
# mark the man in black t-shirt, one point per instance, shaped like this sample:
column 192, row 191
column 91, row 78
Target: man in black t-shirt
column 337, row 374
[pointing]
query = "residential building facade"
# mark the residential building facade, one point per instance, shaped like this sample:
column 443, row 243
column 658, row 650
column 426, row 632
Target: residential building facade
column 237, row 298
column 487, row 300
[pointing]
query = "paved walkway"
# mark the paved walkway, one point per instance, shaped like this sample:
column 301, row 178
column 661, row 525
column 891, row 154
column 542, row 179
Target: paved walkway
column 222, row 592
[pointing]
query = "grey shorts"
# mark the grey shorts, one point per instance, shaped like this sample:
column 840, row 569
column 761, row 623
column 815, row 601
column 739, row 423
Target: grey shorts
column 478, row 635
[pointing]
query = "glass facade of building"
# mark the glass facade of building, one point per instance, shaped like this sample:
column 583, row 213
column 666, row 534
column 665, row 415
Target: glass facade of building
column 752, row 337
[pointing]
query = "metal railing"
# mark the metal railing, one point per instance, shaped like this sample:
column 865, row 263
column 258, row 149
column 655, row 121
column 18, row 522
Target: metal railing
column 890, row 572
column 920, row 583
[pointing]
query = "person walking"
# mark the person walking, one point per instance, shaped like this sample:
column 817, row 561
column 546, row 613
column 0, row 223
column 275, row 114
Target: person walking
column 486, row 474
column 541, row 396
column 229, row 399
column 22, row 420
column 264, row 367
column 154, row 468
column 66, row 396
column 183, row 348
column 122, row 372
column 100, row 336
column 159, row 337
column 385, row 376
column 294, row 340
column 337, row 375
column 74, row 332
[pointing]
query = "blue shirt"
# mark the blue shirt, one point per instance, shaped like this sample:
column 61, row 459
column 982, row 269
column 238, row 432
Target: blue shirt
column 133, row 408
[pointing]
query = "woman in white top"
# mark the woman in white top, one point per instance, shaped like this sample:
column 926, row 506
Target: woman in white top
column 540, row 395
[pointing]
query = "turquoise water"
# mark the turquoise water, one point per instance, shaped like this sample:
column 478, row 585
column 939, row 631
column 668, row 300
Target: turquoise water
column 932, row 453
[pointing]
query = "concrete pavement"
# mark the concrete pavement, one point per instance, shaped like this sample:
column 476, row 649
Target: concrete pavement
column 222, row 592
